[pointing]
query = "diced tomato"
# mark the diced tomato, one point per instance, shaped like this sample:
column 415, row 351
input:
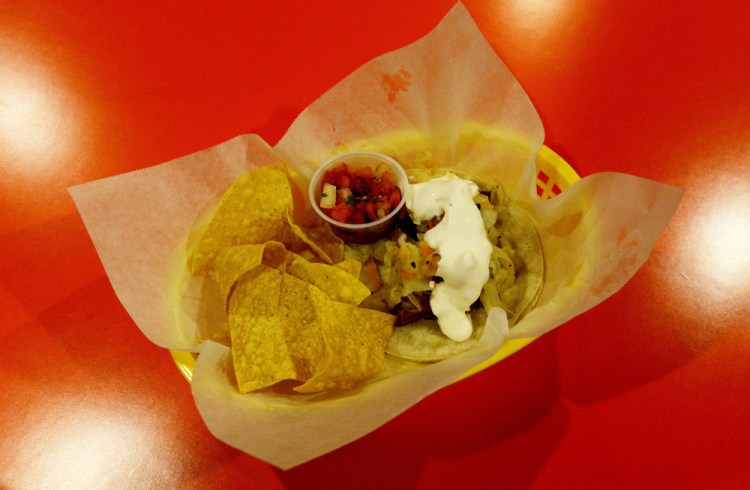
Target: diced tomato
column 364, row 173
column 395, row 197
column 334, row 175
column 370, row 211
column 358, row 217
column 426, row 250
column 430, row 256
column 363, row 195
column 361, row 187
column 341, row 212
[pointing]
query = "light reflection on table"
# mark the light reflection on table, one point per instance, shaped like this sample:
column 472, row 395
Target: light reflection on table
column 711, row 243
column 87, row 447
column 40, row 120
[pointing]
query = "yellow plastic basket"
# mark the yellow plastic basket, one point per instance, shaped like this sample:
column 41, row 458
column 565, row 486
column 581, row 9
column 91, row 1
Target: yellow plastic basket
column 554, row 175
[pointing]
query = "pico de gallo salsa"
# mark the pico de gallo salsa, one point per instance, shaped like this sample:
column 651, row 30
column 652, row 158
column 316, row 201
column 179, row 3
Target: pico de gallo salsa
column 359, row 196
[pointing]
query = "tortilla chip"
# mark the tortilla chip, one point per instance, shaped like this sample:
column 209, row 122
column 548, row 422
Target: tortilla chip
column 326, row 243
column 337, row 283
column 254, row 209
column 233, row 262
column 353, row 267
column 284, row 328
column 355, row 340
column 260, row 347
column 301, row 241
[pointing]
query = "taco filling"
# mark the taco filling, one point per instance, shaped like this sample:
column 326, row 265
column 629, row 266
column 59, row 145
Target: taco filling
column 461, row 248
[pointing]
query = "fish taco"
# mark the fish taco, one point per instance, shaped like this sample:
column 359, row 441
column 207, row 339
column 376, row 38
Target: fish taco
column 461, row 248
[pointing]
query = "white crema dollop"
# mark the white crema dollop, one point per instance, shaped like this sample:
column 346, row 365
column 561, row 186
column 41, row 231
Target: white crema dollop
column 462, row 243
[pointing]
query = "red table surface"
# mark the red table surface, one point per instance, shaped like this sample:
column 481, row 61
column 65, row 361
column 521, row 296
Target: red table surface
column 648, row 390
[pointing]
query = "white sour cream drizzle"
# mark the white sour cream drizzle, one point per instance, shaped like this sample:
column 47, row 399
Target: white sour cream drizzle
column 462, row 243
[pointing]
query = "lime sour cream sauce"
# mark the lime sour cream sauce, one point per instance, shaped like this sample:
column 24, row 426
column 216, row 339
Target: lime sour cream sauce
column 462, row 243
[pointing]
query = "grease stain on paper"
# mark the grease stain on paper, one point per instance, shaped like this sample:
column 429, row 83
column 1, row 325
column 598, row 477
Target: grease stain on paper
column 565, row 225
column 395, row 83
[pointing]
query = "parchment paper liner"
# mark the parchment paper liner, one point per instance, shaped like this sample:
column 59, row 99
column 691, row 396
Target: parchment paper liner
column 445, row 99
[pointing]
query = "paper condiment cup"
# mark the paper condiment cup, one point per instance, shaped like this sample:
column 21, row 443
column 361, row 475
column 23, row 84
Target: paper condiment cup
column 365, row 232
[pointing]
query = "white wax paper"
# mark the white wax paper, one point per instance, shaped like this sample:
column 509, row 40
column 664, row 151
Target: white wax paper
column 445, row 100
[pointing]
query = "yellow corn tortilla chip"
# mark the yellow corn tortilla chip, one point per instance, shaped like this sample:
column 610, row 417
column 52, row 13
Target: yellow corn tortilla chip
column 300, row 241
column 355, row 340
column 284, row 328
column 260, row 344
column 233, row 262
column 254, row 209
column 258, row 207
column 336, row 282
column 353, row 267
column 322, row 235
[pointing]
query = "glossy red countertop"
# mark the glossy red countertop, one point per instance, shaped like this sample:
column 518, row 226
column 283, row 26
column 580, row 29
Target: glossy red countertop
column 650, row 389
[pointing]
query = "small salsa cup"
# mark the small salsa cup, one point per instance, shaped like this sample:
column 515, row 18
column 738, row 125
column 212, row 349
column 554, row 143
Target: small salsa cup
column 365, row 232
